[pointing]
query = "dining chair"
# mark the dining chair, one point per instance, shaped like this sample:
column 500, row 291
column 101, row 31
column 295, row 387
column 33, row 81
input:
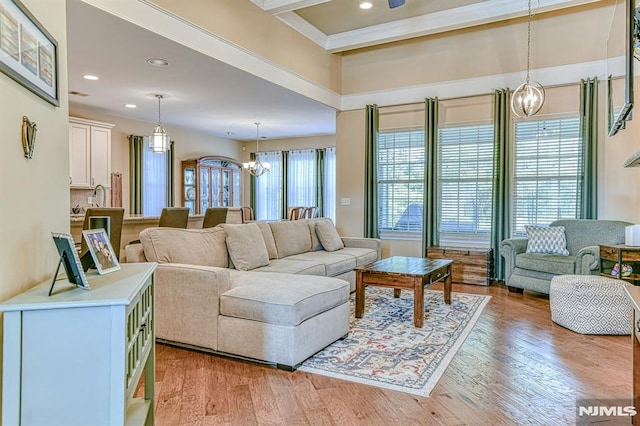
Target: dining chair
column 247, row 214
column 310, row 213
column 174, row 217
column 115, row 215
column 294, row 213
column 214, row 216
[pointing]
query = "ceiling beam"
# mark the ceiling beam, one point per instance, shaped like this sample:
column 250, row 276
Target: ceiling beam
column 275, row 7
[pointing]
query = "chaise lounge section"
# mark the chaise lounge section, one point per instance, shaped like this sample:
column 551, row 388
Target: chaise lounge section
column 275, row 292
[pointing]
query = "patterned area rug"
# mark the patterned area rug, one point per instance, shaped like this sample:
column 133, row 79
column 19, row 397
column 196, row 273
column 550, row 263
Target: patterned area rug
column 384, row 348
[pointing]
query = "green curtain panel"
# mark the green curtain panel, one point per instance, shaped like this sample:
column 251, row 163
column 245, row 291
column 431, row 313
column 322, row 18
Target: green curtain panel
column 136, row 144
column 371, row 173
column 430, row 225
column 320, row 155
column 588, row 207
column 170, row 178
column 500, row 215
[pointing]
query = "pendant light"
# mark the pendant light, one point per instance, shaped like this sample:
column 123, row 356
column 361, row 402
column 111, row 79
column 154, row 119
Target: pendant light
column 256, row 167
column 159, row 139
column 528, row 98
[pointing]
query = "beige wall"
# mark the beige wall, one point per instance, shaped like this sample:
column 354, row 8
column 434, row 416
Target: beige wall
column 247, row 25
column 35, row 192
column 559, row 38
column 187, row 145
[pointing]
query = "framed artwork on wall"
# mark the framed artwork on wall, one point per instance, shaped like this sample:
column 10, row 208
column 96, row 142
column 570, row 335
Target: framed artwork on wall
column 28, row 53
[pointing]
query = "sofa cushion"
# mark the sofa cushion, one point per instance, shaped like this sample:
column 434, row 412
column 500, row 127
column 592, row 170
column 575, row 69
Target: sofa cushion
column 335, row 263
column 281, row 299
column 246, row 246
column 546, row 239
column 328, row 235
column 291, row 237
column 549, row 263
column 205, row 247
column 364, row 256
column 269, row 242
column 288, row 266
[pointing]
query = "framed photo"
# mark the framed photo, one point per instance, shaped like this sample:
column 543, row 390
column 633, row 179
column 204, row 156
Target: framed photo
column 101, row 251
column 28, row 53
column 70, row 259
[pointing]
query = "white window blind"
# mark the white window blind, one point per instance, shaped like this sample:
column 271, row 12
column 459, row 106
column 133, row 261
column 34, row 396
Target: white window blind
column 154, row 181
column 547, row 172
column 329, row 199
column 465, row 167
column 269, row 188
column 301, row 179
column 401, row 159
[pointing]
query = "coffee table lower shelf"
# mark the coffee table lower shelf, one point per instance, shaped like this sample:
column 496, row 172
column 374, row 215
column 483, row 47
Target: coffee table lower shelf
column 404, row 273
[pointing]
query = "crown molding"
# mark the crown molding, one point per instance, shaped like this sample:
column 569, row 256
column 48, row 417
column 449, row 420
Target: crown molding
column 280, row 6
column 303, row 26
column 433, row 23
column 551, row 76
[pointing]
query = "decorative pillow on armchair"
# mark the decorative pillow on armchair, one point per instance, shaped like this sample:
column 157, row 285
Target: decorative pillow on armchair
column 546, row 239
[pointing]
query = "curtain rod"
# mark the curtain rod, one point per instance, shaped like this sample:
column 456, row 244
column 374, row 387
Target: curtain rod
column 455, row 98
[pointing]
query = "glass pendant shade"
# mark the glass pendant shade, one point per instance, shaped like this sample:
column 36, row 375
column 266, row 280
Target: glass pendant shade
column 159, row 139
column 527, row 99
column 256, row 167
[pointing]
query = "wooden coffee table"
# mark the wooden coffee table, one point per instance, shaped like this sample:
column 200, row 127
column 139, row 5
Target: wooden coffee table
column 408, row 273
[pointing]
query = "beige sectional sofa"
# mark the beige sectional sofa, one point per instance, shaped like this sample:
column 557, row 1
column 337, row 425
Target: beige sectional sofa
column 271, row 291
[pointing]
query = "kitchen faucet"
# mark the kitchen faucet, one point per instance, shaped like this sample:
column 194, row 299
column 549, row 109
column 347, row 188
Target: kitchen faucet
column 104, row 195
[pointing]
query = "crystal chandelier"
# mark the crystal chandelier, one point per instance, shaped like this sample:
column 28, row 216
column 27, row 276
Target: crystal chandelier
column 528, row 98
column 159, row 139
column 257, row 168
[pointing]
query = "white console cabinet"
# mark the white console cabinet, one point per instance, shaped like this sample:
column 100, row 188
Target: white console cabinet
column 89, row 153
column 76, row 357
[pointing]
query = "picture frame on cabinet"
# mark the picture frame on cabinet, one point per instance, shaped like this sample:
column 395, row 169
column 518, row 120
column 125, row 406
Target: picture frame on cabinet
column 101, row 250
column 28, row 53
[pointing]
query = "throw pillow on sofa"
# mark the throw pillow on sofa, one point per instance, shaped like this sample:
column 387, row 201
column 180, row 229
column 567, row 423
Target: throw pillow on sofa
column 547, row 240
column 328, row 236
column 291, row 237
column 205, row 247
column 246, row 246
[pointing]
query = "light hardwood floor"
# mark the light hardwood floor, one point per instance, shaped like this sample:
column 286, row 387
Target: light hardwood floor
column 516, row 367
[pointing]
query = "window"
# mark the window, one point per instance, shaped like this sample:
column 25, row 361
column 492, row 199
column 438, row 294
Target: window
column 301, row 178
column 465, row 163
column 268, row 188
column 400, row 171
column 547, row 172
column 154, row 181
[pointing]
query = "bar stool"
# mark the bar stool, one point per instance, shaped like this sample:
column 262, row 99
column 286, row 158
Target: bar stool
column 115, row 215
column 174, row 217
column 214, row 216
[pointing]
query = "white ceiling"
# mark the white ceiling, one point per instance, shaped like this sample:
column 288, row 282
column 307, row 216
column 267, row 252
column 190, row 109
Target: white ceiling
column 207, row 95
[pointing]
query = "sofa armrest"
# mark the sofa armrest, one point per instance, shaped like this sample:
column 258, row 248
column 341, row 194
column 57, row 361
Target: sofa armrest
column 370, row 243
column 133, row 253
column 587, row 260
column 509, row 249
column 188, row 303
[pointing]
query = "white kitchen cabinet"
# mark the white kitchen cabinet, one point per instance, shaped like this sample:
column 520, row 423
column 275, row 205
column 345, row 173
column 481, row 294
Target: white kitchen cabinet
column 76, row 357
column 89, row 153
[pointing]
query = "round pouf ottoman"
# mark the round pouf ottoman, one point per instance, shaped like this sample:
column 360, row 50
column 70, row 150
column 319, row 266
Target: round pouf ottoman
column 590, row 304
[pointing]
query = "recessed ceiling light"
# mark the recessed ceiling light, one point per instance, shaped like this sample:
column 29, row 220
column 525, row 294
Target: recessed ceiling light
column 365, row 5
column 90, row 77
column 158, row 62
column 130, row 106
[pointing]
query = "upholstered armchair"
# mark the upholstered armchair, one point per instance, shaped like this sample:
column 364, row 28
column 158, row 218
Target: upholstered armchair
column 533, row 271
